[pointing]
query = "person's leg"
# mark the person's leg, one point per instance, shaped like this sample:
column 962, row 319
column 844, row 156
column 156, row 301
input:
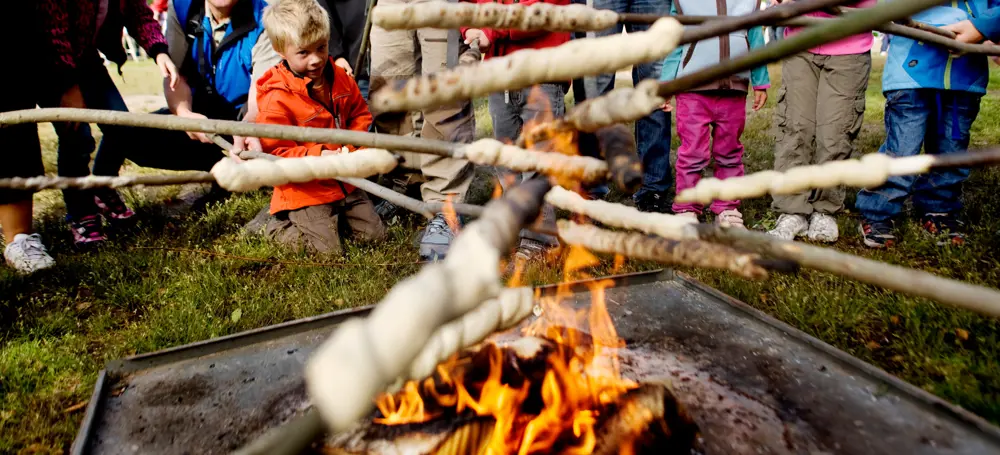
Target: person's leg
column 796, row 119
column 694, row 123
column 315, row 228
column 452, row 123
column 839, row 116
column 604, row 83
column 937, row 195
column 393, row 59
column 909, row 117
column 652, row 132
column 504, row 111
column 727, row 150
column 359, row 214
column 538, row 102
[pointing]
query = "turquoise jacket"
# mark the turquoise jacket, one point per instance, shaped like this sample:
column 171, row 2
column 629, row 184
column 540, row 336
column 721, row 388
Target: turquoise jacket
column 759, row 77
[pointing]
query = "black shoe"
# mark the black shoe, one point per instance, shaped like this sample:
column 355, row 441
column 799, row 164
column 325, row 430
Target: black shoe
column 949, row 229
column 877, row 234
column 653, row 202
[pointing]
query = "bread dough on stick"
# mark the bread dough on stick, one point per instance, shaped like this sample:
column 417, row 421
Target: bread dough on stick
column 538, row 16
column 691, row 253
column 525, row 68
column 870, row 171
column 620, row 105
column 250, row 175
column 489, row 152
column 363, row 356
column 618, row 215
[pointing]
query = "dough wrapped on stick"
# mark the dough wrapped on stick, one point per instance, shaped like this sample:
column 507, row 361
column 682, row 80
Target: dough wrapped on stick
column 535, row 17
column 525, row 68
column 250, row 175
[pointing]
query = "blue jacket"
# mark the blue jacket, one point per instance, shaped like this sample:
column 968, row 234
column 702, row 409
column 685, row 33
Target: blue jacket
column 988, row 23
column 913, row 65
column 220, row 76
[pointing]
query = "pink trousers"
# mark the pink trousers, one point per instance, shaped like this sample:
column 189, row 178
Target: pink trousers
column 709, row 126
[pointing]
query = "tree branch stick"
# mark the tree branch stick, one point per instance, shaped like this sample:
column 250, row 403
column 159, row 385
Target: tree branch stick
column 95, row 181
column 918, row 283
column 830, row 31
column 722, row 25
column 365, row 37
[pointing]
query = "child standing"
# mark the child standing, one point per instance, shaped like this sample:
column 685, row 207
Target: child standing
column 932, row 99
column 308, row 89
column 821, row 106
column 710, row 119
column 510, row 110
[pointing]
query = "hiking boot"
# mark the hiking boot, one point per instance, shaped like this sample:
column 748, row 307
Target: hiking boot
column 790, row 226
column 730, row 218
column 436, row 240
column 386, row 210
column 949, row 229
column 27, row 254
column 87, row 231
column 653, row 202
column 112, row 206
column 532, row 250
column 823, row 228
column 877, row 234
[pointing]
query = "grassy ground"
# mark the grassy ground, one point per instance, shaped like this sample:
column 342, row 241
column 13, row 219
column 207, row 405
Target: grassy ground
column 57, row 329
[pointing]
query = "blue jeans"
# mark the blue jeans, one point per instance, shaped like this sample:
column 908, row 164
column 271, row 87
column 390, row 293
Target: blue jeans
column 937, row 120
column 75, row 146
column 652, row 133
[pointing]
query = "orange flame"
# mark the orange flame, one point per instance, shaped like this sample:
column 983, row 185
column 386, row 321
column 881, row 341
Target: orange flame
column 450, row 215
column 542, row 132
column 581, row 378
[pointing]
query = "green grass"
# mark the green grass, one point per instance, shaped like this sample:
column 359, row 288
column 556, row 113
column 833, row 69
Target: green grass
column 58, row 328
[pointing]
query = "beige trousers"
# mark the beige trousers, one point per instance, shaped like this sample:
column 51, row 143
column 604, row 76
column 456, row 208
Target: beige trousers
column 397, row 55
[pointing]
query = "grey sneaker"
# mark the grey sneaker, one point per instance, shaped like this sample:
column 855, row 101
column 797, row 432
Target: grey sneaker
column 823, row 228
column 27, row 254
column 790, row 226
column 531, row 250
column 436, row 240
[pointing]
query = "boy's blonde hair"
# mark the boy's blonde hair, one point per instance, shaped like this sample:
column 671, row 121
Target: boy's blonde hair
column 295, row 22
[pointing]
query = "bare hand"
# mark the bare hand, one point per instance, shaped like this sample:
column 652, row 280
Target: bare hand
column 666, row 106
column 167, row 69
column 241, row 143
column 334, row 152
column 474, row 34
column 342, row 63
column 759, row 99
column 196, row 136
column 965, row 32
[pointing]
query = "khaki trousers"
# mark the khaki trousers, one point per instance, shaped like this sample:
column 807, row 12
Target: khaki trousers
column 398, row 55
column 821, row 107
column 318, row 228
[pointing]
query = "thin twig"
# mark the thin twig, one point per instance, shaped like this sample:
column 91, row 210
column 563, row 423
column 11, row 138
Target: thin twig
column 912, row 33
column 275, row 261
column 723, row 25
column 365, row 37
column 829, row 31
column 902, row 279
column 97, row 181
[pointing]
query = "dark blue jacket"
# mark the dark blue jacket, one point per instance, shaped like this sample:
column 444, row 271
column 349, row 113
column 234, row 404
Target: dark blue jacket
column 988, row 23
column 220, row 76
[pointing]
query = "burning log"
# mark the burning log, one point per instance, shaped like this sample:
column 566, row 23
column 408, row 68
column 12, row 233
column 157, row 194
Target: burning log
column 693, row 253
column 365, row 355
column 617, row 145
column 523, row 397
column 575, row 59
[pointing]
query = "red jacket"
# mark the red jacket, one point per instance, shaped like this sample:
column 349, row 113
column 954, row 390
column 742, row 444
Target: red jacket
column 70, row 28
column 505, row 42
column 283, row 99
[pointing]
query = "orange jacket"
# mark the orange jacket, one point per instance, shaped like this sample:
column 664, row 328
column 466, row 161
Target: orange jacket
column 283, row 99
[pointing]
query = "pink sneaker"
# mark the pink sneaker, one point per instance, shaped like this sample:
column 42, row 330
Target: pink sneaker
column 112, row 206
column 87, row 231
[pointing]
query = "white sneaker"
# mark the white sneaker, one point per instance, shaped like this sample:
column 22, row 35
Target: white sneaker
column 790, row 226
column 823, row 228
column 730, row 218
column 27, row 254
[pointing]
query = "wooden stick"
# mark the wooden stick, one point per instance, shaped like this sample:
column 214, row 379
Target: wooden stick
column 722, row 25
column 365, row 37
column 829, row 31
column 915, row 33
column 96, row 181
column 918, row 283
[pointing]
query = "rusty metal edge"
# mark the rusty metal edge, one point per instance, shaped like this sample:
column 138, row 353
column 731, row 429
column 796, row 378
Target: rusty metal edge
column 932, row 402
column 82, row 439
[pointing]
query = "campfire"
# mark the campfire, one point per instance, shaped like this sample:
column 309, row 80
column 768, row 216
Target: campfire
column 552, row 386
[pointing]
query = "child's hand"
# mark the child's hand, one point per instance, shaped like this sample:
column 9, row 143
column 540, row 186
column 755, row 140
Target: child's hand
column 474, row 34
column 666, row 106
column 334, row 152
column 202, row 137
column 167, row 69
column 759, row 99
column 965, row 32
column 341, row 62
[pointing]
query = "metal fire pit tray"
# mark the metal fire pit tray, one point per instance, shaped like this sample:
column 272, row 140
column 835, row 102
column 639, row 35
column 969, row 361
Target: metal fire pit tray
column 753, row 384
